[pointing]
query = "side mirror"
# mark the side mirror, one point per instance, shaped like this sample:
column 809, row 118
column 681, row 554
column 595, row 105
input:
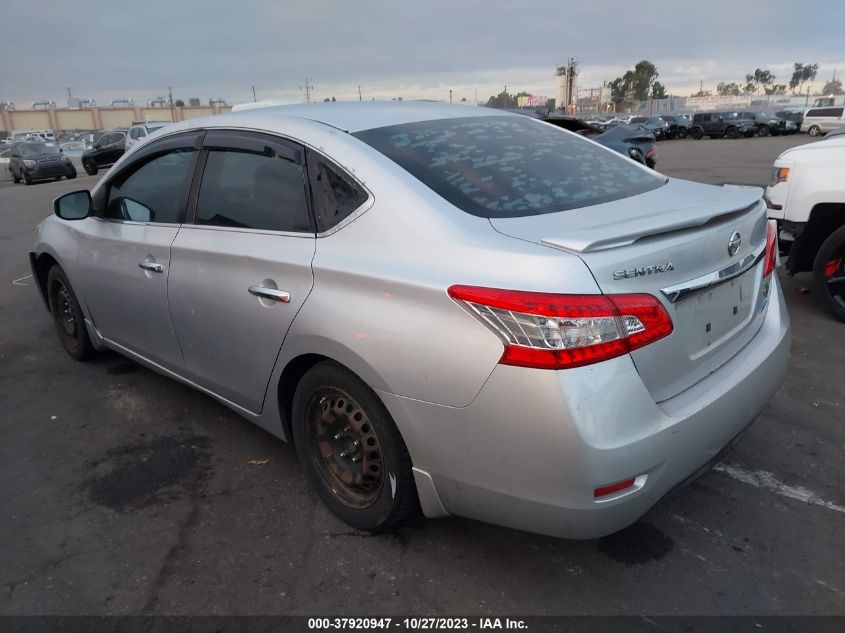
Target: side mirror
column 73, row 206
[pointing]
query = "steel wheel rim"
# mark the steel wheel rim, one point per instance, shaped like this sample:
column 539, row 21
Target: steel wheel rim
column 64, row 310
column 344, row 447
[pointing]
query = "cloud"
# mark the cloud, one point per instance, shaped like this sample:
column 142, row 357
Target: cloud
column 108, row 50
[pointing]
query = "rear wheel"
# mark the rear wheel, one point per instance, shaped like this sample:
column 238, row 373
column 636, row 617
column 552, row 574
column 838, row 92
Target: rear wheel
column 732, row 132
column 829, row 273
column 814, row 130
column 15, row 179
column 351, row 450
column 696, row 133
column 682, row 132
column 67, row 316
column 763, row 130
column 90, row 169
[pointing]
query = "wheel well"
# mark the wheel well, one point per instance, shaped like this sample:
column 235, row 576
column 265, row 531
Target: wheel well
column 291, row 375
column 824, row 219
column 43, row 264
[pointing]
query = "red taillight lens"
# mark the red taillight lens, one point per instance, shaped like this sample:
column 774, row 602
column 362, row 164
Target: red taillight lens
column 617, row 487
column 556, row 331
column 770, row 258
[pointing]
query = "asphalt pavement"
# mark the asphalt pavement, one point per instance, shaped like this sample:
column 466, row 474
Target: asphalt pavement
column 125, row 492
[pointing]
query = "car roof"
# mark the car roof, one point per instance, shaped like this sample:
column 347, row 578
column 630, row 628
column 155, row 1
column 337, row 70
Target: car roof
column 349, row 117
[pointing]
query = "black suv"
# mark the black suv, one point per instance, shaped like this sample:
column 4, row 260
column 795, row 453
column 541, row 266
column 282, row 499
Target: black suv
column 39, row 161
column 766, row 123
column 714, row 125
column 108, row 148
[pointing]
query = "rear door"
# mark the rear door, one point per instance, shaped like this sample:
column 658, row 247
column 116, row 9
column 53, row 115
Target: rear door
column 241, row 269
column 124, row 254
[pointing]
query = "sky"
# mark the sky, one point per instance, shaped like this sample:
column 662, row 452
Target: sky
column 415, row 50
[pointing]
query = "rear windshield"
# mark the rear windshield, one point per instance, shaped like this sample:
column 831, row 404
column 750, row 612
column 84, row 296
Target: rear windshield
column 510, row 166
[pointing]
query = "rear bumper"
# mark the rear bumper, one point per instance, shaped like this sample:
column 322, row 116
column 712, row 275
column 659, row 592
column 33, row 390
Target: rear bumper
column 530, row 450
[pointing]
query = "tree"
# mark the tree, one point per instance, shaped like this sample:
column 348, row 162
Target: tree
column 702, row 93
column 637, row 84
column 801, row 75
column 658, row 90
column 775, row 89
column 760, row 80
column 732, row 89
column 502, row 100
column 832, row 87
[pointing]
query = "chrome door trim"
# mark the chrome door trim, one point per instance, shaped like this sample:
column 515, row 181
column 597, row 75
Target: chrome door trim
column 270, row 293
column 681, row 290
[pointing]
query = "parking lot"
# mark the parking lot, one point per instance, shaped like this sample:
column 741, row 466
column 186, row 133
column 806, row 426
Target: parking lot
column 125, row 492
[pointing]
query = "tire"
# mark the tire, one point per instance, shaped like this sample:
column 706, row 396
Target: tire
column 732, row 133
column 696, row 133
column 333, row 410
column 15, row 179
column 26, row 179
column 90, row 169
column 763, row 130
column 71, row 175
column 829, row 273
column 814, row 130
column 682, row 132
column 67, row 316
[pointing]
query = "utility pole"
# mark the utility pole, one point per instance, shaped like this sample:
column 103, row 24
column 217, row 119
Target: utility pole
column 450, row 96
column 253, row 93
column 308, row 88
column 170, row 93
column 359, row 93
column 68, row 88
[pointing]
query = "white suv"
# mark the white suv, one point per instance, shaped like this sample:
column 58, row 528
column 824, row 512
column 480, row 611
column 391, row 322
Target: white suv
column 822, row 120
column 807, row 198
column 139, row 131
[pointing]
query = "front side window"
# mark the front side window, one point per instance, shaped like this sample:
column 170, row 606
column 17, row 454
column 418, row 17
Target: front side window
column 509, row 166
column 253, row 191
column 154, row 192
column 335, row 195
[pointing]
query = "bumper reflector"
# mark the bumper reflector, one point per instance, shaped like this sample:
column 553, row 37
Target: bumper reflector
column 613, row 488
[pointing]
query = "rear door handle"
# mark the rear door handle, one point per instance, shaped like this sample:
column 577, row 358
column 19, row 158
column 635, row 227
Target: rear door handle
column 270, row 293
column 151, row 266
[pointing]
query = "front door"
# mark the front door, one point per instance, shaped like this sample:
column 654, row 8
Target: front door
column 124, row 257
column 240, row 272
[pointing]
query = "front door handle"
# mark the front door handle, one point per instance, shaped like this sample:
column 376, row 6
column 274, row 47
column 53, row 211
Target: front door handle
column 270, row 293
column 151, row 266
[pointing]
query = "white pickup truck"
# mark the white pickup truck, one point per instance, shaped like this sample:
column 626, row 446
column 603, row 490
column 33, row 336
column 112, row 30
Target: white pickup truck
column 807, row 198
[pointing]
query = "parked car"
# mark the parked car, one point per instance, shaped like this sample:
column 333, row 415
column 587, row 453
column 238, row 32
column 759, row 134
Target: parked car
column 681, row 124
column 451, row 308
column 807, row 199
column 39, row 161
column 819, row 121
column 629, row 140
column 139, row 131
column 796, row 117
column 5, row 156
column 108, row 148
column 765, row 123
column 747, row 127
column 714, row 125
column 654, row 125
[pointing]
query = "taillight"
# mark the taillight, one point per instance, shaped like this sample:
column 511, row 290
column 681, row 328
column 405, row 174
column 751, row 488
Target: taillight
column 557, row 331
column 770, row 258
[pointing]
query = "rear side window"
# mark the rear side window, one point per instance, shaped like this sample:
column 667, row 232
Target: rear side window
column 155, row 192
column 509, row 166
column 336, row 195
column 253, row 191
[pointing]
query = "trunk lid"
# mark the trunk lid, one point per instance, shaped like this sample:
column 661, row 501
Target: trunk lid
column 672, row 243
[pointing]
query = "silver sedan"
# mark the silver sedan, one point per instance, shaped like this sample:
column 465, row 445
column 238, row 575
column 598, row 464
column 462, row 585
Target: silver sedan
column 450, row 310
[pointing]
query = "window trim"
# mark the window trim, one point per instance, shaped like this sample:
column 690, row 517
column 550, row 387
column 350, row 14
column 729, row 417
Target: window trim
column 186, row 140
column 247, row 141
column 311, row 156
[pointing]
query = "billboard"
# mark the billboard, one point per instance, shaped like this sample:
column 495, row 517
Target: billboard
column 531, row 101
